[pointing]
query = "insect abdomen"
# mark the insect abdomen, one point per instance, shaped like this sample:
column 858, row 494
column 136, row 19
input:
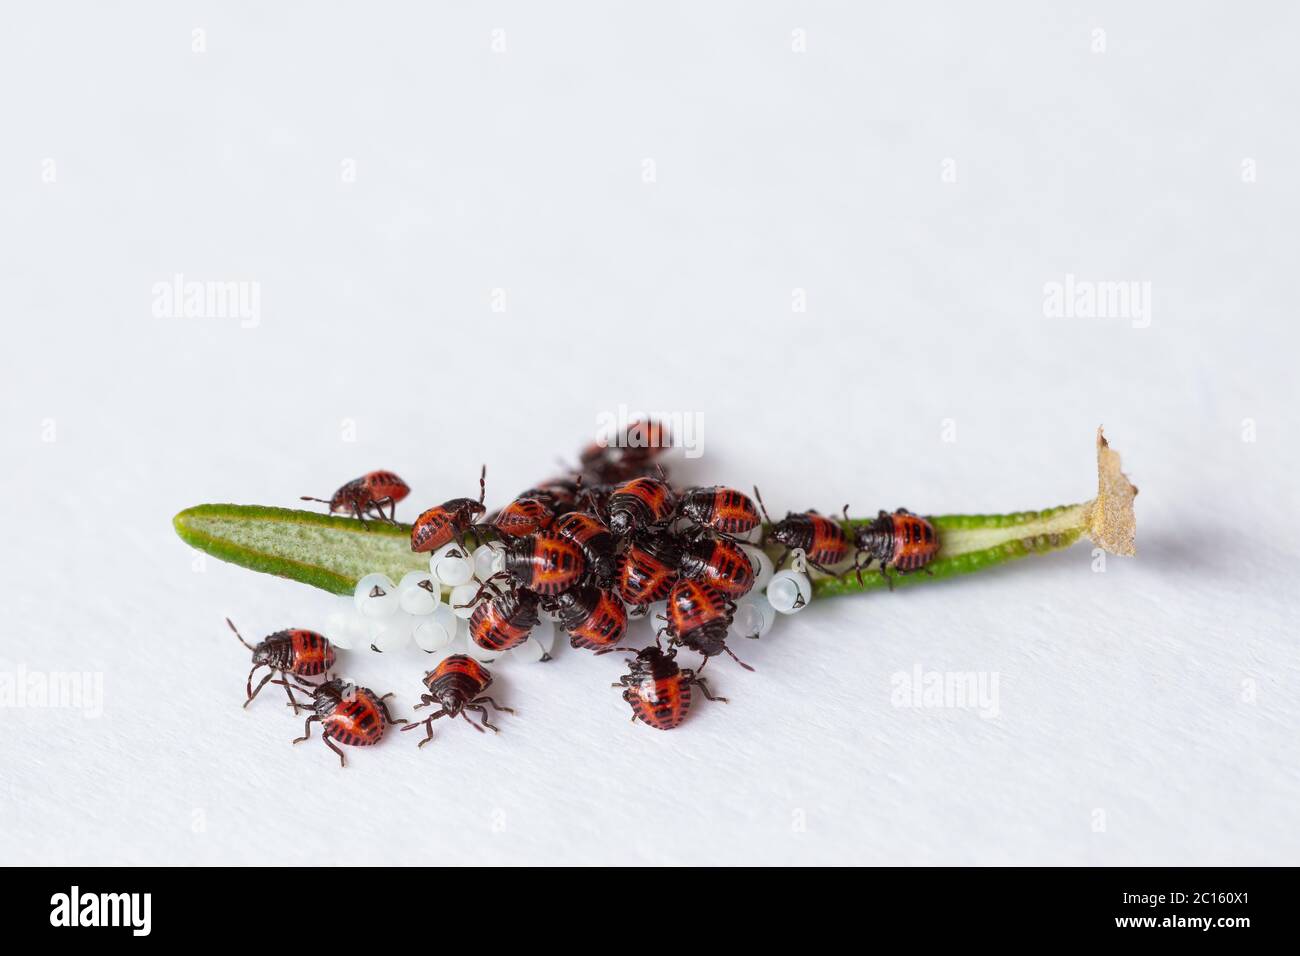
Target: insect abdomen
column 661, row 703
column 358, row 722
column 915, row 543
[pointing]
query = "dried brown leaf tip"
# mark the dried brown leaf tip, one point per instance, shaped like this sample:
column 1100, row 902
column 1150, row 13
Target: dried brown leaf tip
column 1111, row 523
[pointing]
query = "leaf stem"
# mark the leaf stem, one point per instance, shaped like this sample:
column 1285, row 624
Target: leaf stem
column 333, row 552
column 971, row 543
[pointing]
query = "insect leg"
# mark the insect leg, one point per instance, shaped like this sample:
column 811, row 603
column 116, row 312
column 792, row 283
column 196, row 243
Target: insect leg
column 428, row 731
column 389, row 717
column 495, row 705
column 306, row 728
column 483, row 716
column 427, row 723
column 248, row 688
column 487, row 585
column 343, row 761
column 292, row 700
column 704, row 688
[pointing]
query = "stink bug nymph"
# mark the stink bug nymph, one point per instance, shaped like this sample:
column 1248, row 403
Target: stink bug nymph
column 698, row 618
column 718, row 562
column 457, row 685
column 822, row 539
column 902, row 541
column 640, row 503
column 523, row 516
column 504, row 620
column 449, row 520
column 658, row 691
column 647, row 571
column 598, row 544
column 294, row 651
column 352, row 715
column 545, row 563
column 593, row 618
column 725, row 510
column 370, row 493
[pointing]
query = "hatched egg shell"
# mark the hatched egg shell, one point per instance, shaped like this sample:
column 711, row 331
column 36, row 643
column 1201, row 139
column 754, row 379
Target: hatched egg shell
column 346, row 629
column 437, row 630
column 754, row 617
column 762, row 565
column 392, row 633
column 789, row 591
column 488, row 559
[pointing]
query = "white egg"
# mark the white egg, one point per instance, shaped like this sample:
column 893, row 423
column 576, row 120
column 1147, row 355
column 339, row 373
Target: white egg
column 489, row 559
column 754, row 617
column 376, row 596
column 789, row 591
column 451, row 565
column 345, row 629
column 391, row 633
column 540, row 643
column 437, row 630
column 419, row 592
column 463, row 594
column 762, row 564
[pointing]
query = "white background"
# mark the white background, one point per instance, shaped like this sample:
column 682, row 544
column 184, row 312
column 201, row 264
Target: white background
column 1147, row 714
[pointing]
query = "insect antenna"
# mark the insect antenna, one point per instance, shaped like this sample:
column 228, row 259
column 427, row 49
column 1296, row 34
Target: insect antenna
column 733, row 657
column 240, row 636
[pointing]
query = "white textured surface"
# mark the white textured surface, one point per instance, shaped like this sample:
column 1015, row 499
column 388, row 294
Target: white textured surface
column 1126, row 692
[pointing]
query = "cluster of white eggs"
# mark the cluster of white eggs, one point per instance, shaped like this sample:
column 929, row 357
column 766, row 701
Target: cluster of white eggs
column 787, row 592
column 432, row 608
